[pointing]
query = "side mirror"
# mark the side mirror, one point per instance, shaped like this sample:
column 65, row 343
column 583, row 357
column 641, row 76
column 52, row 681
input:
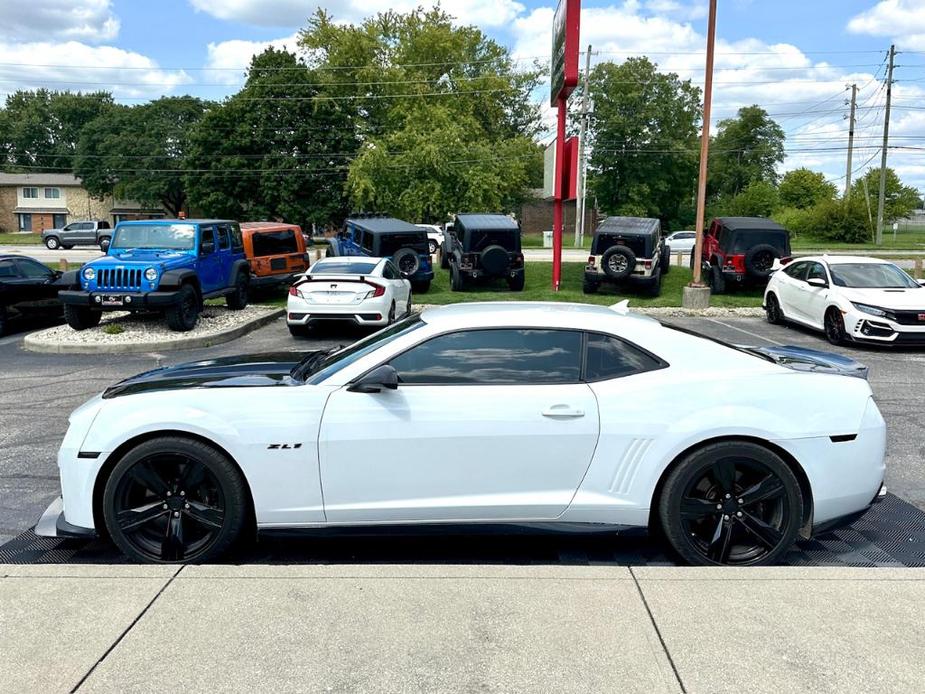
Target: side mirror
column 817, row 282
column 206, row 247
column 384, row 376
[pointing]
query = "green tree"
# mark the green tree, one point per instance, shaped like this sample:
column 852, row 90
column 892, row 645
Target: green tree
column 274, row 150
column 759, row 199
column 138, row 152
column 643, row 140
column 441, row 109
column 40, row 130
column 745, row 150
column 802, row 188
column 900, row 200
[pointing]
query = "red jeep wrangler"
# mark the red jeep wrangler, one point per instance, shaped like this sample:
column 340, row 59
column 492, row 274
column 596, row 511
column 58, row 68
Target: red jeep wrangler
column 742, row 251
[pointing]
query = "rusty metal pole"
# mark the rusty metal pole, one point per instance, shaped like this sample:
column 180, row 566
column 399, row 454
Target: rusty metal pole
column 704, row 146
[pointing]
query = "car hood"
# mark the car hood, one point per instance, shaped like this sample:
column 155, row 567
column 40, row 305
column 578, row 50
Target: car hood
column 912, row 298
column 806, row 359
column 149, row 256
column 254, row 370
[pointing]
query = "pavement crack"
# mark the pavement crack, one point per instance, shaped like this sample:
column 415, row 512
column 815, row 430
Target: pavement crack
column 125, row 632
column 658, row 632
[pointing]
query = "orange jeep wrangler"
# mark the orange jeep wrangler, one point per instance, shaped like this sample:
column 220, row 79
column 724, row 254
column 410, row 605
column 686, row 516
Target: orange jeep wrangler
column 276, row 253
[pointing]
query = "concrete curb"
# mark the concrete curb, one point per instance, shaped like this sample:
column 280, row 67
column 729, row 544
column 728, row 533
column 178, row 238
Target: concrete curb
column 34, row 342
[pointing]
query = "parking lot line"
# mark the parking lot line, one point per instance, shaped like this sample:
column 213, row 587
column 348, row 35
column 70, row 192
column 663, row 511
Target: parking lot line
column 743, row 330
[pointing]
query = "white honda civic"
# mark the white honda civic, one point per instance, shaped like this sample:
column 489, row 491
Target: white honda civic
column 850, row 299
column 363, row 291
column 511, row 413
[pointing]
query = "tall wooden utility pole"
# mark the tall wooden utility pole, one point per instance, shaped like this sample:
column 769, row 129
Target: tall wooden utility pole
column 704, row 146
column 886, row 143
column 580, row 201
column 851, row 124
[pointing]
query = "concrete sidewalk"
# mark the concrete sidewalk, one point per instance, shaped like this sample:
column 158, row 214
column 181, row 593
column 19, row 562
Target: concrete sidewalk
column 435, row 628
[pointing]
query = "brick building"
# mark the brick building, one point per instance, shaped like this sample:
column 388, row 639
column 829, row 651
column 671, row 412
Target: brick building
column 536, row 215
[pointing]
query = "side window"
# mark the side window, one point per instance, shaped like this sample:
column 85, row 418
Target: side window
column 609, row 357
column 237, row 241
column 816, row 271
column 367, row 242
column 224, row 237
column 32, row 270
column 207, row 236
column 103, row 225
column 487, row 357
column 796, row 270
column 7, row 270
column 391, row 272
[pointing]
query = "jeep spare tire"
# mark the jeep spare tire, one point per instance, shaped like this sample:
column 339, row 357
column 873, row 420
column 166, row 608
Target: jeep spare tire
column 618, row 262
column 494, row 260
column 760, row 259
column 407, row 261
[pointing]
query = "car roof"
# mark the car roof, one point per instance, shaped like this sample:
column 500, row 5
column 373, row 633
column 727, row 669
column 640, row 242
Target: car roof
column 383, row 225
column 135, row 222
column 627, row 225
column 749, row 223
column 341, row 259
column 267, row 226
column 486, row 221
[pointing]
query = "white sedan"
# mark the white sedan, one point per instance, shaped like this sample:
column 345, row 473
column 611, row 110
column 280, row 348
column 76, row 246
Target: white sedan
column 850, row 299
column 681, row 241
column 435, row 236
column 517, row 413
column 364, row 291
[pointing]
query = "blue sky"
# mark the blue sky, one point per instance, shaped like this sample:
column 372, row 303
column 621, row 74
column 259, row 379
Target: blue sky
column 793, row 57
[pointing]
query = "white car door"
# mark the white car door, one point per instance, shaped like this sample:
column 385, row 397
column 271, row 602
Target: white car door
column 789, row 293
column 815, row 299
column 398, row 284
column 490, row 424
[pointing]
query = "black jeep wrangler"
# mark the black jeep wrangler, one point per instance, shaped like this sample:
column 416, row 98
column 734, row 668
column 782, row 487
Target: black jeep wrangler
column 484, row 246
column 628, row 250
column 740, row 251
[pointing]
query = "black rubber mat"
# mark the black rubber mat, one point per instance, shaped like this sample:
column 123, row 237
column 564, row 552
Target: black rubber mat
column 891, row 534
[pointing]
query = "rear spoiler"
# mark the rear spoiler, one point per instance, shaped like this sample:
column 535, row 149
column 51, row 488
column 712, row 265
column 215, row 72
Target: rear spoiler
column 333, row 278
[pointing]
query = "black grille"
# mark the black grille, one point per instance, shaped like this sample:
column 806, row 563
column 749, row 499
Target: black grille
column 123, row 279
column 910, row 317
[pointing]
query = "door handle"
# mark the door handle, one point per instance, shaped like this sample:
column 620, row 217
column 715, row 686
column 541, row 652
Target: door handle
column 562, row 411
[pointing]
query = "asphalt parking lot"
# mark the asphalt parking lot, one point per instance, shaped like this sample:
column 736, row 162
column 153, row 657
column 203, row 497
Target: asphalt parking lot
column 38, row 391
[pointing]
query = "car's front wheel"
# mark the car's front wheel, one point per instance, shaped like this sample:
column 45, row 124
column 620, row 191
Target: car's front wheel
column 773, row 311
column 834, row 327
column 731, row 503
column 81, row 318
column 184, row 314
column 172, row 500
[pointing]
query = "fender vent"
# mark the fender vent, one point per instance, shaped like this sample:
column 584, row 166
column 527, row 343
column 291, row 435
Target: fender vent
column 841, row 438
column 626, row 470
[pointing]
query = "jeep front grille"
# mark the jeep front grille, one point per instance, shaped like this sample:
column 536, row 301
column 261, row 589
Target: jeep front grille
column 122, row 279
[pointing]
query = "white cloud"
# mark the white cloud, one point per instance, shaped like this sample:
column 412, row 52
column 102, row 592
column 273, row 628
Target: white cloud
column 86, row 20
column 76, row 66
column 228, row 60
column 901, row 20
column 293, row 13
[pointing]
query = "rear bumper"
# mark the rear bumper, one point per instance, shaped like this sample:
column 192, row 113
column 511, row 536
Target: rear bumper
column 269, row 281
column 850, row 518
column 597, row 276
column 53, row 524
column 131, row 300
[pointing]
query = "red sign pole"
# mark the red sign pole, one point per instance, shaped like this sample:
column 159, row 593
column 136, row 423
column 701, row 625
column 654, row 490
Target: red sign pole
column 557, row 224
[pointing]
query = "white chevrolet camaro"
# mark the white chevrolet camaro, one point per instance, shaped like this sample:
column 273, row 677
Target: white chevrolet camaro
column 850, row 299
column 363, row 291
column 511, row 413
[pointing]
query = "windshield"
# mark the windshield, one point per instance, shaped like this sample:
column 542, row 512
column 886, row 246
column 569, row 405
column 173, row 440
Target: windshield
column 871, row 276
column 345, row 267
column 180, row 237
column 315, row 371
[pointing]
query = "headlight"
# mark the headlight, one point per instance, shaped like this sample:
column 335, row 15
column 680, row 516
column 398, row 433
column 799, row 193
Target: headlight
column 874, row 311
column 89, row 273
column 150, row 274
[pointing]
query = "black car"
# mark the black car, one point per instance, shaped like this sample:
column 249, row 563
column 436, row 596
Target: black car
column 484, row 247
column 628, row 250
column 28, row 289
column 740, row 251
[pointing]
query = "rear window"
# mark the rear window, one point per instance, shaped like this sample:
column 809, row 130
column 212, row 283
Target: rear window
column 349, row 267
column 274, row 242
column 479, row 240
column 389, row 244
column 741, row 240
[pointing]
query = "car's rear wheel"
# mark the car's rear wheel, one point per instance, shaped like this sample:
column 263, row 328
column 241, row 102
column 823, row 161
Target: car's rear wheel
column 432, row 246
column 184, row 314
column 408, row 305
column 457, row 283
column 772, row 310
column 654, row 286
column 52, row 243
column 421, row 287
column 731, row 503
column 299, row 330
column 172, row 500
column 834, row 325
column 80, row 318
column 237, row 300
column 67, row 246
column 516, row 283
column 391, row 316
column 665, row 260
column 717, row 281
column 589, row 287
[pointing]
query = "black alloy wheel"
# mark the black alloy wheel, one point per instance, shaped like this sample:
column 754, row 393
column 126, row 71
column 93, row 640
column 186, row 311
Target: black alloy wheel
column 237, row 299
column 772, row 310
column 173, row 500
column 834, row 327
column 731, row 503
column 759, row 260
column 183, row 316
column 391, row 317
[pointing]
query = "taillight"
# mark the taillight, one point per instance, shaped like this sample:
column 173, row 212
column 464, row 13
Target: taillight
column 784, row 261
column 518, row 259
column 378, row 290
column 293, row 290
column 648, row 264
column 591, row 260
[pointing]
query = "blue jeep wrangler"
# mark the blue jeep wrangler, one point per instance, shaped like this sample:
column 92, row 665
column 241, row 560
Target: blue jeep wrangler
column 387, row 237
column 165, row 265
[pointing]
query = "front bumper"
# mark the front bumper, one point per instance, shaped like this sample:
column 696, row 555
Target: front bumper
column 53, row 524
column 874, row 330
column 131, row 301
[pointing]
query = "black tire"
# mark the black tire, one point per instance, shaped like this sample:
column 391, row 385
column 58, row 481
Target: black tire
column 432, row 246
column 618, row 262
column 731, row 503
column 516, row 283
column 717, row 281
column 495, row 260
column 772, row 310
column 299, row 330
column 203, row 491
column 835, row 327
column 664, row 263
column 104, row 243
column 654, row 285
column 589, row 287
column 457, row 282
column 407, row 261
column 237, row 300
column 183, row 315
column 67, row 246
column 444, row 259
column 759, row 260
column 391, row 317
column 52, row 243
column 81, row 318
column 420, row 287
column 408, row 305
column 4, row 322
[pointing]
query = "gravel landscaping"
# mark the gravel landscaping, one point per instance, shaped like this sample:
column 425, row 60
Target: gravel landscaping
column 125, row 332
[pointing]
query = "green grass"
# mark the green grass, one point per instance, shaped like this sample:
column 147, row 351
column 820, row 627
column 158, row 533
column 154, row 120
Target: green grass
column 905, row 241
column 20, row 239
